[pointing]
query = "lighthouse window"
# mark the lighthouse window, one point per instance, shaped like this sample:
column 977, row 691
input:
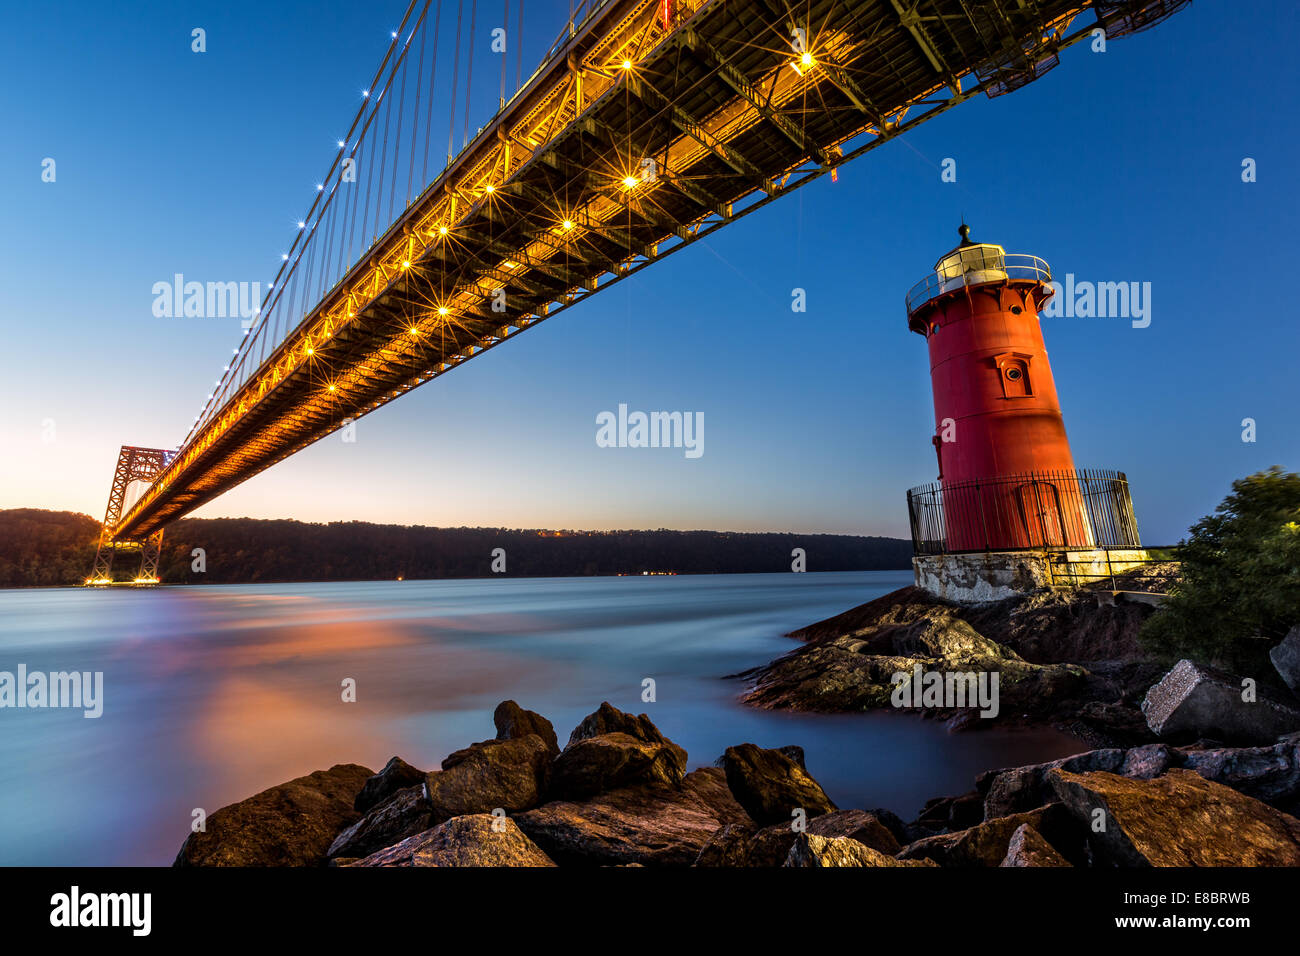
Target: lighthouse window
column 1016, row 310
column 1013, row 374
column 934, row 329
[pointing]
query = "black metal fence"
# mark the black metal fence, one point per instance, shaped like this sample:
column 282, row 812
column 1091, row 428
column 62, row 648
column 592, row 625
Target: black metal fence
column 1040, row 510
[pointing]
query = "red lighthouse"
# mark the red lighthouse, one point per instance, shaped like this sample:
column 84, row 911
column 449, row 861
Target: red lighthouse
column 1007, row 479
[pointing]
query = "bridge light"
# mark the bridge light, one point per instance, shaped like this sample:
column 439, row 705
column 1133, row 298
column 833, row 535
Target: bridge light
column 568, row 224
column 341, row 144
column 319, row 187
column 332, row 386
column 627, row 64
column 413, row 330
column 806, row 59
column 406, row 265
column 301, row 224
column 284, row 256
column 630, row 181
column 442, row 230
column 365, row 93
column 489, row 189
column 310, row 350
column 443, row 310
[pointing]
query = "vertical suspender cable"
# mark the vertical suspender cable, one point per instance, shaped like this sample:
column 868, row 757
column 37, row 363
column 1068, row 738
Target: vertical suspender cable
column 433, row 82
column 455, row 83
column 469, row 73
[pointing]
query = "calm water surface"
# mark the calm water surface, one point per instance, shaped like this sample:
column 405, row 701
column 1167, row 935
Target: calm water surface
column 214, row 693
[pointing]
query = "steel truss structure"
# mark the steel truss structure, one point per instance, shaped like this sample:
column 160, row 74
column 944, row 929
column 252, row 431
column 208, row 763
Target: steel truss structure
column 133, row 464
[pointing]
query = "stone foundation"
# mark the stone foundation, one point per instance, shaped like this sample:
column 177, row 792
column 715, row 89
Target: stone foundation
column 996, row 575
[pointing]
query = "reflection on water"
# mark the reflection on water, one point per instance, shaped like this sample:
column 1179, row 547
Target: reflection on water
column 214, row 693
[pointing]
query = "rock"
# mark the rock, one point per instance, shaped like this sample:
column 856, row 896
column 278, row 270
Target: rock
column 728, row 846
column 986, row 844
column 292, row 824
column 1180, row 819
column 396, row 775
column 953, row 813
column 1145, row 762
column 771, row 786
column 608, row 719
column 506, row 774
column 850, row 666
column 1286, row 659
column 901, row 832
column 795, row 753
column 654, row 825
column 1024, row 788
column 1192, row 700
column 1270, row 774
column 742, row 846
column 812, row 850
column 1028, row 848
column 479, row 839
column 609, row 761
column 513, row 722
column 404, row 814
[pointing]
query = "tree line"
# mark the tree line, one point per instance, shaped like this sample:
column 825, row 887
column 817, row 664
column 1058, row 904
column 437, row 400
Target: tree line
column 48, row 548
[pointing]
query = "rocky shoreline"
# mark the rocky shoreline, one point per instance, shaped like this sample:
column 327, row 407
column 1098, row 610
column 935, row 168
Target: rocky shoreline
column 1189, row 766
column 1064, row 660
column 619, row 794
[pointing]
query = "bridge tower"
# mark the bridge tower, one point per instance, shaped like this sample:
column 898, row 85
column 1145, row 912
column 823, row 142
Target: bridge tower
column 1008, row 484
column 133, row 464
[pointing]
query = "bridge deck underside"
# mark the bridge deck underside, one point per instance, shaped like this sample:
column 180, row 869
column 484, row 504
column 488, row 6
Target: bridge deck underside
column 728, row 68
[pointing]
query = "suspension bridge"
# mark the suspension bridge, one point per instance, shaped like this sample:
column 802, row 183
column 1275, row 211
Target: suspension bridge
column 648, row 125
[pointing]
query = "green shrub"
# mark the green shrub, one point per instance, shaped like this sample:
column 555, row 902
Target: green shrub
column 1239, row 588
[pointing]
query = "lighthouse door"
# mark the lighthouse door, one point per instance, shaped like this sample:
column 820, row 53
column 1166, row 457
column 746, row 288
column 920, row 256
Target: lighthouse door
column 1041, row 514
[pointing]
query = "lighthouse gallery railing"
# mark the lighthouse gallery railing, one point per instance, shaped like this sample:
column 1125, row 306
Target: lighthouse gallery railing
column 993, row 268
column 1053, row 509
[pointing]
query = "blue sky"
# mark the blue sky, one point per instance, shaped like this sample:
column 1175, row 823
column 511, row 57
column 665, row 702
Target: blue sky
column 1117, row 166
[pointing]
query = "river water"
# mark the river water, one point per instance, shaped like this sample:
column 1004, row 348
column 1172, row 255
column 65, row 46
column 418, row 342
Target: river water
column 213, row 693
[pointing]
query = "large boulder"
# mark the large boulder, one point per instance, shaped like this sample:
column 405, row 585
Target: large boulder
column 647, row 824
column 608, row 761
column 1194, row 701
column 396, row 775
column 1179, row 819
column 608, row 719
column 1028, row 848
column 292, row 824
column 404, row 814
column 986, row 844
column 506, row 774
column 1286, row 659
column 513, row 722
column 810, row 850
column 743, row 846
column 1023, row 788
column 480, row 839
column 771, row 786
column 850, row 663
column 1270, row 774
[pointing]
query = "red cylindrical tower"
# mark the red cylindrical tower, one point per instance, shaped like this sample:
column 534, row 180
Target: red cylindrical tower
column 1007, row 475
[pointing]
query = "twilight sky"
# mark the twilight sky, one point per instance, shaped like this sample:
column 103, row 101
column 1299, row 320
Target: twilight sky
column 1117, row 166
